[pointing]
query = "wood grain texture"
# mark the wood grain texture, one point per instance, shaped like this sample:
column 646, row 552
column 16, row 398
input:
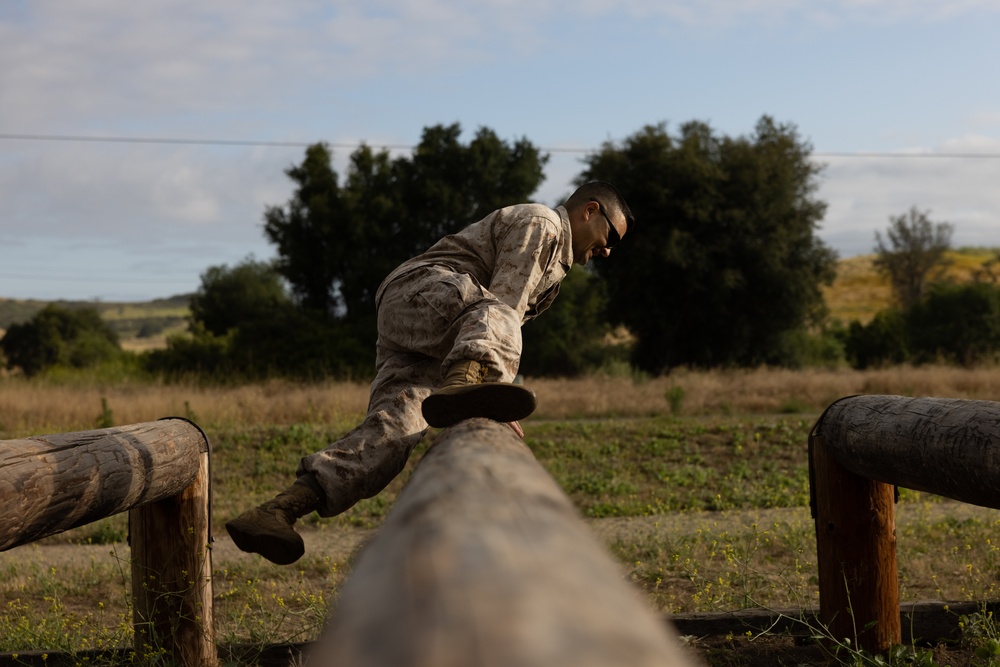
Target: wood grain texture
column 172, row 576
column 948, row 447
column 855, row 554
column 52, row 483
column 484, row 561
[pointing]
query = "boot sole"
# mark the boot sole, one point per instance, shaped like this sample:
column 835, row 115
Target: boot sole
column 248, row 537
column 498, row 401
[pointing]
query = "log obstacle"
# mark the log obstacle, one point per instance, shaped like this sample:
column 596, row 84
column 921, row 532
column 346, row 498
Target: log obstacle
column 158, row 472
column 860, row 450
column 483, row 560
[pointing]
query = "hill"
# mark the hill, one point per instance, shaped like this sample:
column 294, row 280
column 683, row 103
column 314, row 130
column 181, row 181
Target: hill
column 859, row 291
column 140, row 326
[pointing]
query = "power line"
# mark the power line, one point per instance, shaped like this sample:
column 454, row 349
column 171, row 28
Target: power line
column 305, row 144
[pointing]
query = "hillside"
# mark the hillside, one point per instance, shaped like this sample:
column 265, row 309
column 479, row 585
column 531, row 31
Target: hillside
column 859, row 291
column 140, row 326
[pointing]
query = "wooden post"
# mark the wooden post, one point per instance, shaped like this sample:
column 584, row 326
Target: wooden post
column 172, row 576
column 859, row 449
column 483, row 560
column 52, row 483
column 855, row 554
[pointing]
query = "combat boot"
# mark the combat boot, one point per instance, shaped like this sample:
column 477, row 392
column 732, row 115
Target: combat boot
column 267, row 529
column 465, row 395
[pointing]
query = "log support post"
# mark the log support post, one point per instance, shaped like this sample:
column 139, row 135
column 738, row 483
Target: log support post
column 172, row 576
column 861, row 448
column 856, row 554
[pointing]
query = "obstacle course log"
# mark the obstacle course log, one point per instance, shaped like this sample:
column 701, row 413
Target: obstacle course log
column 862, row 447
column 52, row 483
column 946, row 446
column 483, row 560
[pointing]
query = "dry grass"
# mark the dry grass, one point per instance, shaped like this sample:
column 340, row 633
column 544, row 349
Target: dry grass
column 36, row 407
column 764, row 390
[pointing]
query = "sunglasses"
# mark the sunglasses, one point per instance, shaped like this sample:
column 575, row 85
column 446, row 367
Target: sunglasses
column 613, row 236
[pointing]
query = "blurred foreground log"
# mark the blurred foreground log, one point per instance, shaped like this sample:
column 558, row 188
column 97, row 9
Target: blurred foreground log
column 483, row 560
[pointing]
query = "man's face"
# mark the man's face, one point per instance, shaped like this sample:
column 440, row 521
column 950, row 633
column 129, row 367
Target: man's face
column 595, row 232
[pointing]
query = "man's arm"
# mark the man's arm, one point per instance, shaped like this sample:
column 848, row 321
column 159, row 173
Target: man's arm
column 525, row 251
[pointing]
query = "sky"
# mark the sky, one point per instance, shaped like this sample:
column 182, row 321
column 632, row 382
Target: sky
column 140, row 142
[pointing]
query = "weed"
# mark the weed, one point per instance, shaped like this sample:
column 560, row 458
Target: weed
column 105, row 419
column 675, row 398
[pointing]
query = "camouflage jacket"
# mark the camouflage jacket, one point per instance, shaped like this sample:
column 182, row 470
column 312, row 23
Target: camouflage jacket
column 519, row 253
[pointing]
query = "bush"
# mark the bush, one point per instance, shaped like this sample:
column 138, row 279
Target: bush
column 882, row 342
column 956, row 323
column 58, row 336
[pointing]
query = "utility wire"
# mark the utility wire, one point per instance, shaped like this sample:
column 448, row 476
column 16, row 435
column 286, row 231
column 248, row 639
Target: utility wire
column 304, row 144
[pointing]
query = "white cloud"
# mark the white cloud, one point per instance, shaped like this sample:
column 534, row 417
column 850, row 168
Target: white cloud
column 864, row 192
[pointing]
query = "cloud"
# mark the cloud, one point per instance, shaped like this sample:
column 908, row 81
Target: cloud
column 864, row 192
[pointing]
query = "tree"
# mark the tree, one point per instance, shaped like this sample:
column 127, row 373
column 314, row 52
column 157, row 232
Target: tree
column 313, row 236
column 336, row 242
column 76, row 338
column 568, row 339
column 956, row 323
column 724, row 262
column 881, row 342
column 916, row 248
column 230, row 297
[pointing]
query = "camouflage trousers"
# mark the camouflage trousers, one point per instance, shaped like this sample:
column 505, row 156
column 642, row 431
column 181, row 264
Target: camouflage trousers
column 428, row 319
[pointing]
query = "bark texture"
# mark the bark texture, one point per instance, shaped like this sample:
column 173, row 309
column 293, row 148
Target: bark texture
column 52, row 483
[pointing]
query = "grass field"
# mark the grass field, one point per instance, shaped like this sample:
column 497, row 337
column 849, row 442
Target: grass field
column 697, row 483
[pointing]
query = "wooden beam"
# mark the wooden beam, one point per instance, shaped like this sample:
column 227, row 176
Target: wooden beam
column 52, row 483
column 945, row 446
column 483, row 560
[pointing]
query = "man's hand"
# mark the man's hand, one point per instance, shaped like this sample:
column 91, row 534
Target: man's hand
column 517, row 429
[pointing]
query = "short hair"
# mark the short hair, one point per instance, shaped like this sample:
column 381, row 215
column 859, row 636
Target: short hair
column 605, row 193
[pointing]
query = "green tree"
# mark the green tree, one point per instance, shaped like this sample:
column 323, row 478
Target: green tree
column 336, row 241
column 724, row 263
column 914, row 250
column 314, row 237
column 76, row 338
column 569, row 338
column 230, row 297
column 881, row 342
column 956, row 323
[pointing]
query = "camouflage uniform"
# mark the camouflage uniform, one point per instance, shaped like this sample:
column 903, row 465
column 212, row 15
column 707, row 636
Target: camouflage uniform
column 463, row 299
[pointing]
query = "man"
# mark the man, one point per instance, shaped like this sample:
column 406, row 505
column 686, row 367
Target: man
column 448, row 349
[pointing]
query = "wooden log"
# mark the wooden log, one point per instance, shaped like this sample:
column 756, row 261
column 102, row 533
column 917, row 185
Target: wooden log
column 52, row 483
column 948, row 447
column 172, row 576
column 855, row 553
column 483, row 560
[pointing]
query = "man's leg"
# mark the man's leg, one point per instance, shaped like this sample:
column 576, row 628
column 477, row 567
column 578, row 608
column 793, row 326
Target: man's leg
column 356, row 466
column 484, row 354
